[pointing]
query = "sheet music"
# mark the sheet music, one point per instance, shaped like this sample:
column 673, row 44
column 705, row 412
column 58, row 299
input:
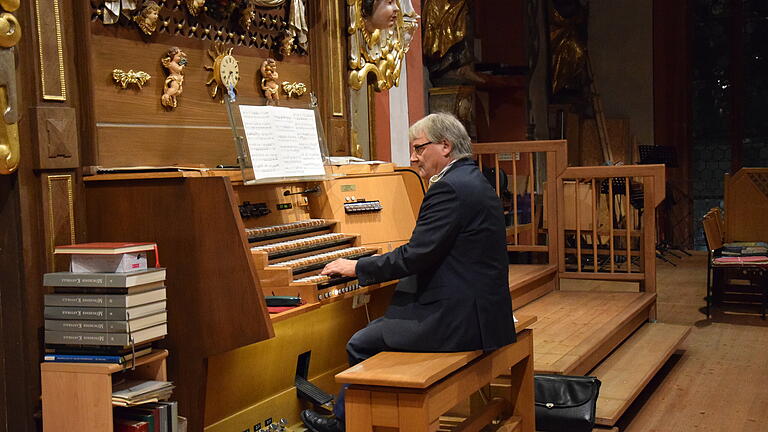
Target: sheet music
column 282, row 141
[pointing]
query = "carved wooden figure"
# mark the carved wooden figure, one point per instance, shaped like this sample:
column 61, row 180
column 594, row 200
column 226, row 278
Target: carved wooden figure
column 148, row 17
column 269, row 82
column 174, row 61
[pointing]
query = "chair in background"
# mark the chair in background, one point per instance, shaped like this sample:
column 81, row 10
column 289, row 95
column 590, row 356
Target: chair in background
column 719, row 283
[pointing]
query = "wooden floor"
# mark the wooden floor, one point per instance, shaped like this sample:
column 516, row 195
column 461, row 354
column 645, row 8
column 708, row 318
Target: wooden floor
column 720, row 381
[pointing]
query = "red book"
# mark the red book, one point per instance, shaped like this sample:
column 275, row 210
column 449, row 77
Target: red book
column 125, row 425
column 108, row 248
column 105, row 248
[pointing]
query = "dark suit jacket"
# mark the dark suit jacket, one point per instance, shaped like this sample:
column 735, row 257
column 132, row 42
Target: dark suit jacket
column 454, row 288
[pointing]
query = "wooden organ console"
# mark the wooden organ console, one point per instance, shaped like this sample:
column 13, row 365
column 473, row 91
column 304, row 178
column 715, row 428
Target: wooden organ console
column 226, row 246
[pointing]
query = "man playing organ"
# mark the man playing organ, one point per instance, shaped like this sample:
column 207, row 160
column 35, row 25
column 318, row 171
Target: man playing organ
column 453, row 293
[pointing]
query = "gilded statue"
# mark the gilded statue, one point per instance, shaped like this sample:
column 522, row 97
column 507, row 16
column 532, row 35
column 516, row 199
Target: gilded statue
column 269, row 83
column 174, row 62
column 567, row 39
column 446, row 43
column 380, row 34
column 148, row 17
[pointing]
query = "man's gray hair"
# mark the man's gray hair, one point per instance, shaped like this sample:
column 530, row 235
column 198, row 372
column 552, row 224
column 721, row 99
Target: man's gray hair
column 443, row 126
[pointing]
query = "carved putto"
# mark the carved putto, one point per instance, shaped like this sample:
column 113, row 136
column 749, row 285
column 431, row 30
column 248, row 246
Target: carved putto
column 148, row 17
column 269, row 82
column 174, row 62
column 380, row 35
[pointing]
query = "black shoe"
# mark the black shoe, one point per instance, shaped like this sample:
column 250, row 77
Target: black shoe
column 320, row 423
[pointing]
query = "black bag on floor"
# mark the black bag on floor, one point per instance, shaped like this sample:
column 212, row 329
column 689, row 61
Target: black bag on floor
column 565, row 403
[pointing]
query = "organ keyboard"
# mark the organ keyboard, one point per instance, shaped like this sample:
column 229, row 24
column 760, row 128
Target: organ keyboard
column 292, row 267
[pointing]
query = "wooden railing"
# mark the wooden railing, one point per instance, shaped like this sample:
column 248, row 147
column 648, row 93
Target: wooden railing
column 607, row 225
column 595, row 223
column 529, row 199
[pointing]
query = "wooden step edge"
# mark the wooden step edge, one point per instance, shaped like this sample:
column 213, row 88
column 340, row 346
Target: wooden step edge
column 626, row 372
column 586, row 356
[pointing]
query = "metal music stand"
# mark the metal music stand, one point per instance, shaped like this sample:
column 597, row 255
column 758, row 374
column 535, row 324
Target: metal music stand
column 667, row 155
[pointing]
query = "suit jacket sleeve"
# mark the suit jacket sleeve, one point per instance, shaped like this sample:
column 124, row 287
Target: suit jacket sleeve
column 436, row 230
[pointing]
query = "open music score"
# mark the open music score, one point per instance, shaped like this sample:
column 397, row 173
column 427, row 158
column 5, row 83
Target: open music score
column 289, row 258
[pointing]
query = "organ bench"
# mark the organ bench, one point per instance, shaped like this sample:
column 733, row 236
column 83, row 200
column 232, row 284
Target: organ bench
column 409, row 391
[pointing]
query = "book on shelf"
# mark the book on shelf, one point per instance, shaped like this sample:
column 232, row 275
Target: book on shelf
column 97, row 326
column 129, row 425
column 95, row 349
column 109, row 290
column 104, row 248
column 137, row 416
column 173, row 415
column 105, row 280
column 96, row 358
column 103, row 313
column 118, row 339
column 136, row 392
column 162, row 413
column 104, row 300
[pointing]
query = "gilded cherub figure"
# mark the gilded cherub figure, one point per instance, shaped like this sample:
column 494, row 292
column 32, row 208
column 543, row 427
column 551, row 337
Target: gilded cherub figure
column 269, row 82
column 174, row 61
column 148, row 17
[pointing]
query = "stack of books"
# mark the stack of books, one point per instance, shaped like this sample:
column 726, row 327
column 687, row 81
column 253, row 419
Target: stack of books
column 104, row 317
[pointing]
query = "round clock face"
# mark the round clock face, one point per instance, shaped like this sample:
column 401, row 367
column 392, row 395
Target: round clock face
column 228, row 71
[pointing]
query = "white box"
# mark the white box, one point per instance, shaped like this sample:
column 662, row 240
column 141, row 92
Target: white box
column 119, row 263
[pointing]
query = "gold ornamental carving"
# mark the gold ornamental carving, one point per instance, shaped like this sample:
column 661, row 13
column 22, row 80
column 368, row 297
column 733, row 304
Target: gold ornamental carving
column 380, row 34
column 137, row 78
column 295, row 89
column 10, row 33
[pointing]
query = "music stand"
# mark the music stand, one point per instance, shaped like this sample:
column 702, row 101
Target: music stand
column 667, row 155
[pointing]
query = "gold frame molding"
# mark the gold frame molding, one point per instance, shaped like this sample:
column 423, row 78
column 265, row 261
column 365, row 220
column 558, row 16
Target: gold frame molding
column 382, row 52
column 62, row 96
column 70, row 207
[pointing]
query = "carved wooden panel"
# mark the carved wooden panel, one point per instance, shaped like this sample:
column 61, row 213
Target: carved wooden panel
column 59, row 215
column 50, row 34
column 131, row 125
column 56, row 138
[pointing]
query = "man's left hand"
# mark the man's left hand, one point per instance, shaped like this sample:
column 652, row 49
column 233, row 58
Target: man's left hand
column 340, row 267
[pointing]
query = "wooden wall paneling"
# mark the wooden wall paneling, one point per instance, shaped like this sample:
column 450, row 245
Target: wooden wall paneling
column 51, row 33
column 57, row 144
column 15, row 402
column 133, row 128
column 58, row 209
column 327, row 35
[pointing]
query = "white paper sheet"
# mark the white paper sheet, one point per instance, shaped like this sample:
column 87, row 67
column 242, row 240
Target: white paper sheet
column 282, row 141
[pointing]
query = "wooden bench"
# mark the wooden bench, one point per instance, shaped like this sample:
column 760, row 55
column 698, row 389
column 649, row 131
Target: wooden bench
column 409, row 391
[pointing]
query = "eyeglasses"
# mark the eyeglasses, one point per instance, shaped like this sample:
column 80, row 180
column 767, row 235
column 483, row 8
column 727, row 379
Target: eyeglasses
column 419, row 148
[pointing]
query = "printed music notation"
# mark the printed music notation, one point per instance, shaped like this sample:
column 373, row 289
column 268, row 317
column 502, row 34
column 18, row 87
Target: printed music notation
column 282, row 142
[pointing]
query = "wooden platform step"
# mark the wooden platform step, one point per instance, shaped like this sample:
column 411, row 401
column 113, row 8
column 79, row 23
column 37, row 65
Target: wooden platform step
column 578, row 329
column 627, row 371
column 528, row 282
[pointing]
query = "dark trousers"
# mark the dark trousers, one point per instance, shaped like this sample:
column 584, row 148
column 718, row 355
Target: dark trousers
column 364, row 344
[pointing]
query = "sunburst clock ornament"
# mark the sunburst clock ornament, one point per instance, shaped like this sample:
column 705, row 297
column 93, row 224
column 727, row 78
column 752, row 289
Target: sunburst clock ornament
column 225, row 72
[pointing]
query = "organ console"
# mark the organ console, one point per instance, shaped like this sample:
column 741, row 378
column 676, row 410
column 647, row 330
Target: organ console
column 235, row 365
